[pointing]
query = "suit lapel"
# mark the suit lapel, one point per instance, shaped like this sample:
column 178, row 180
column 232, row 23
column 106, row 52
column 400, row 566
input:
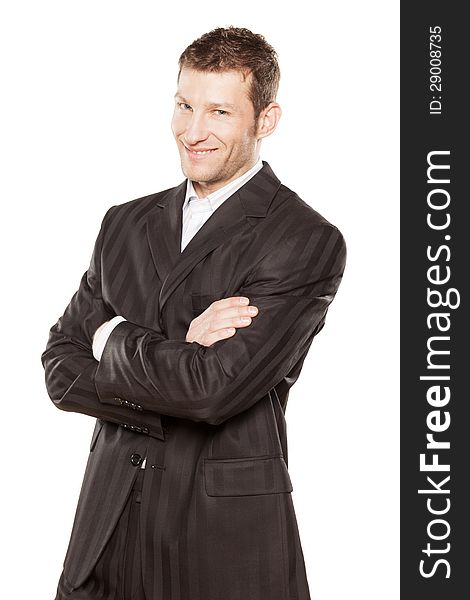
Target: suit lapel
column 164, row 227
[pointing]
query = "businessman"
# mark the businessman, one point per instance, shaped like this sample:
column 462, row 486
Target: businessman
column 183, row 340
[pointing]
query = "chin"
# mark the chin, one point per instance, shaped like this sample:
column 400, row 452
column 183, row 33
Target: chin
column 199, row 174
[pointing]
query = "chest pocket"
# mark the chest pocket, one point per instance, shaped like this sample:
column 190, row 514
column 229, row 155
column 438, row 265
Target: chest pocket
column 200, row 302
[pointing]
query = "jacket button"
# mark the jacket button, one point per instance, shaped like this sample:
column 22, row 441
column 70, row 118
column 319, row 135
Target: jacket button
column 136, row 459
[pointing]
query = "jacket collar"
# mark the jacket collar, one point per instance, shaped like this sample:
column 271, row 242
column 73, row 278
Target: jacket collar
column 164, row 227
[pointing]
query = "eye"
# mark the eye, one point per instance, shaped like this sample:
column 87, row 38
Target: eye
column 221, row 112
column 184, row 106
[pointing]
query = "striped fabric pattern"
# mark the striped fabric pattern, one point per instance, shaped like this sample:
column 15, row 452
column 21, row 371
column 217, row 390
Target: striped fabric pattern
column 217, row 518
column 117, row 575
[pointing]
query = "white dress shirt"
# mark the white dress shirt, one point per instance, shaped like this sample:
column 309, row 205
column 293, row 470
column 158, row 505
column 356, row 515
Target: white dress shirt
column 196, row 211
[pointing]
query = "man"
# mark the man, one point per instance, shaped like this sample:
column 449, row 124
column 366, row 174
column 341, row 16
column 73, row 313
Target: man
column 188, row 329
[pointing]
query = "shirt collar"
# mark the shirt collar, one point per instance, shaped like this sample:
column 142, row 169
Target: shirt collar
column 216, row 198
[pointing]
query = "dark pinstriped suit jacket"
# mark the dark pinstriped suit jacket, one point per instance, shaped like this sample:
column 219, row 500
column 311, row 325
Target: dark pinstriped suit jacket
column 222, row 522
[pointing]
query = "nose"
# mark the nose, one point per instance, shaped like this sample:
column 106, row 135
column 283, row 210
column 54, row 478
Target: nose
column 196, row 129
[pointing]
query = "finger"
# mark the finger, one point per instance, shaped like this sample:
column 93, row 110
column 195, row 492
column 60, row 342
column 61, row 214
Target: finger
column 220, row 334
column 230, row 302
column 232, row 308
column 235, row 312
column 228, row 322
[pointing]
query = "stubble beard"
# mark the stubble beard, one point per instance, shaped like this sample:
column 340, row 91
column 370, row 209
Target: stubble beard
column 215, row 175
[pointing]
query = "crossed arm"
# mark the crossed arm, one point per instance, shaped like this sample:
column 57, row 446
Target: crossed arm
column 218, row 322
column 292, row 287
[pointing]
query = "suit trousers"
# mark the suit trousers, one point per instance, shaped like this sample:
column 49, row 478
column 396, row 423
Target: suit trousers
column 117, row 574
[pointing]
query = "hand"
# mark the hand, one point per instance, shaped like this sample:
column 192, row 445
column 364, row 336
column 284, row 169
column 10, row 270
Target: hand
column 99, row 329
column 220, row 319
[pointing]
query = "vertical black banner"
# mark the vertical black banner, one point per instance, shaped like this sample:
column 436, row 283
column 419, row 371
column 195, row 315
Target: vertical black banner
column 435, row 356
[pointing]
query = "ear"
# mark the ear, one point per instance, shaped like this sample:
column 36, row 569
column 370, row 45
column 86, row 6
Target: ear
column 268, row 120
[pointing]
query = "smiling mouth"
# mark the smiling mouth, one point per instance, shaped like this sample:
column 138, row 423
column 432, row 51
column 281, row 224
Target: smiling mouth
column 199, row 153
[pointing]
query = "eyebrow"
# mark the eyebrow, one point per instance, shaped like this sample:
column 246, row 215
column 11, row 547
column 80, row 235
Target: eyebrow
column 210, row 105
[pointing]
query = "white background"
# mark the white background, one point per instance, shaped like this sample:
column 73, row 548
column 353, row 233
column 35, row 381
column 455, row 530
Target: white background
column 85, row 124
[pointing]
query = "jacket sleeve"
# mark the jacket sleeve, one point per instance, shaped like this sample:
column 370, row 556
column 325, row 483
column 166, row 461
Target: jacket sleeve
column 68, row 359
column 292, row 286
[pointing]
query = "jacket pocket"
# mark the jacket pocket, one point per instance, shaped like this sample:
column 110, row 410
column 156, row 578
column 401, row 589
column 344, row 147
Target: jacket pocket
column 96, row 431
column 246, row 476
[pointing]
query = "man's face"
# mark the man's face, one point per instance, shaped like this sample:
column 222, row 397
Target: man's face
column 214, row 127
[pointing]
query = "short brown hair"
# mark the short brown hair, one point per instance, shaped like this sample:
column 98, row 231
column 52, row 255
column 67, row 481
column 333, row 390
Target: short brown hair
column 237, row 48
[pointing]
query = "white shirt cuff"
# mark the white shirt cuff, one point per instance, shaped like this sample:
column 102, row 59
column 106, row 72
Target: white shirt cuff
column 100, row 338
